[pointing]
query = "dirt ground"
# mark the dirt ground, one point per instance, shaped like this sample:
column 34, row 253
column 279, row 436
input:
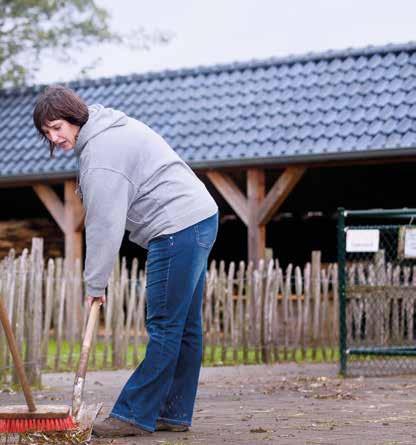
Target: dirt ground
column 280, row 404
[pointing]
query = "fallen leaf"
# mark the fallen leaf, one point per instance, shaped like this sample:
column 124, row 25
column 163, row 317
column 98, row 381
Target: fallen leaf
column 258, row 430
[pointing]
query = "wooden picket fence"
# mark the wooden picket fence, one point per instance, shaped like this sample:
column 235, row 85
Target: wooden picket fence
column 250, row 315
column 270, row 313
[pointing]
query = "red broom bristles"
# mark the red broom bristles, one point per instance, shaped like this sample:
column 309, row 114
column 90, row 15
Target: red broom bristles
column 36, row 425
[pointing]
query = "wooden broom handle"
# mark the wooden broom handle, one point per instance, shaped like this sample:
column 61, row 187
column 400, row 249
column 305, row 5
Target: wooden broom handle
column 86, row 344
column 77, row 394
column 16, row 357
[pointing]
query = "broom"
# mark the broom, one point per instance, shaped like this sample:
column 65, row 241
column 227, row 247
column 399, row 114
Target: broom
column 22, row 418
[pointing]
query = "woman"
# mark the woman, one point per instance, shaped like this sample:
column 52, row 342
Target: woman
column 130, row 179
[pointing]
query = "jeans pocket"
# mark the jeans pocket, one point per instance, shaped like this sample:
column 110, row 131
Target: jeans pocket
column 161, row 241
column 206, row 232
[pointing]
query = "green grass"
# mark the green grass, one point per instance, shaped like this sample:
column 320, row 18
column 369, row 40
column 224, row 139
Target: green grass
column 218, row 358
column 99, row 356
column 320, row 356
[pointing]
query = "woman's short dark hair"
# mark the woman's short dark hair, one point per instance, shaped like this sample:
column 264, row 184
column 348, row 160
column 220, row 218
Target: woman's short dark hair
column 59, row 102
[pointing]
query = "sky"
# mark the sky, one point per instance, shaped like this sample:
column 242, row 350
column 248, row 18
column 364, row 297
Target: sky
column 207, row 32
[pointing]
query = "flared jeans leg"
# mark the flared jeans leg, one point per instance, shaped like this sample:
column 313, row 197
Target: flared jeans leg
column 165, row 383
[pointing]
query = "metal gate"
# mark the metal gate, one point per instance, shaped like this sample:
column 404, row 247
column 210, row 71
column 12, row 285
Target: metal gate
column 377, row 289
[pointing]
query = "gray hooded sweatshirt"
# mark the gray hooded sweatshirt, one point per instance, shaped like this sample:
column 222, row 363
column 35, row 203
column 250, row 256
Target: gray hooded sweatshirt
column 130, row 179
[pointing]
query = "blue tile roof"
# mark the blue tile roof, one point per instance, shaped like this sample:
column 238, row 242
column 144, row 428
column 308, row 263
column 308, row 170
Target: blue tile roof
column 357, row 103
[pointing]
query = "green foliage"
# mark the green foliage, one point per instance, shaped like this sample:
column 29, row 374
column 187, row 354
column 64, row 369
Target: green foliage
column 29, row 27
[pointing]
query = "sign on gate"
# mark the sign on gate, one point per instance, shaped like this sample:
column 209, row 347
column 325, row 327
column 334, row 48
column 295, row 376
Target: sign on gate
column 363, row 240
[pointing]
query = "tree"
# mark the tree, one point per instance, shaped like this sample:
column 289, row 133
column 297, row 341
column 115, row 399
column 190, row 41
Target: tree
column 29, row 28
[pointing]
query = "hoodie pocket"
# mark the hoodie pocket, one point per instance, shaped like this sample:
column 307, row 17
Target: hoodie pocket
column 135, row 218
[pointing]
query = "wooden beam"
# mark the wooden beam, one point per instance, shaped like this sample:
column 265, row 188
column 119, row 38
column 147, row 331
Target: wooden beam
column 79, row 211
column 68, row 215
column 256, row 231
column 79, row 224
column 73, row 215
column 73, row 246
column 256, row 210
column 279, row 192
column 52, row 202
column 231, row 193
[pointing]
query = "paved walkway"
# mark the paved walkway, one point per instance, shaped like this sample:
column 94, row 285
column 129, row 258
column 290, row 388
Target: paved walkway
column 279, row 404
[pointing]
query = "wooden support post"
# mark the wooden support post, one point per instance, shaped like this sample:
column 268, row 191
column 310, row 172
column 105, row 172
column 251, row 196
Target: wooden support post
column 69, row 215
column 257, row 209
column 73, row 214
column 256, row 232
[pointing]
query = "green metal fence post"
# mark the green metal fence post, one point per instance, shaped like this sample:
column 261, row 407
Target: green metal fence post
column 341, row 291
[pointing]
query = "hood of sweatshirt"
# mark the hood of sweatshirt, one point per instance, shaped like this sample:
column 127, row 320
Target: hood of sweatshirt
column 100, row 119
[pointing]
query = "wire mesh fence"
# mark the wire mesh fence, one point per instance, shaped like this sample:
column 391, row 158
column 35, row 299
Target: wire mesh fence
column 377, row 284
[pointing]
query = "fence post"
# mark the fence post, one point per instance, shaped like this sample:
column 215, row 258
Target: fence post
column 20, row 306
column 268, row 312
column 34, row 347
column 299, row 309
column 249, row 313
column 341, row 291
column 335, row 310
column 131, row 307
column 325, row 276
column 240, row 339
column 48, row 310
column 118, row 315
column 316, row 298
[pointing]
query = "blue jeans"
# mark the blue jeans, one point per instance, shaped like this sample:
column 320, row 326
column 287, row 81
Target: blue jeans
column 164, row 385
